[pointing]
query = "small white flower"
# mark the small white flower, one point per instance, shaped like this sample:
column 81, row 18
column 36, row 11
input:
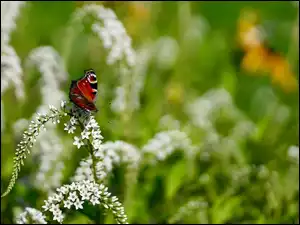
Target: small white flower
column 81, row 188
column 94, row 200
column 96, row 134
column 96, row 143
column 68, row 204
column 101, row 187
column 78, row 142
column 70, row 128
column 96, row 192
column 85, row 134
column 73, row 196
column 46, row 206
column 51, row 199
column 63, row 190
column 78, row 204
column 93, row 123
column 58, row 217
column 54, row 208
column 73, row 186
column 90, row 185
column 58, row 197
column 73, row 121
column 85, row 194
column 62, row 104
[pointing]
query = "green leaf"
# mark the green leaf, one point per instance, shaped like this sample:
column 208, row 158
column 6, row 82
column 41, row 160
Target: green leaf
column 224, row 208
column 175, row 179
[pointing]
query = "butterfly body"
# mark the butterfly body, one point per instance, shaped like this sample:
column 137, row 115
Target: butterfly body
column 83, row 92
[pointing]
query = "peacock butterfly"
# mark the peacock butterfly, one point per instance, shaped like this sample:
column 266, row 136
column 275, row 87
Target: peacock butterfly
column 83, row 92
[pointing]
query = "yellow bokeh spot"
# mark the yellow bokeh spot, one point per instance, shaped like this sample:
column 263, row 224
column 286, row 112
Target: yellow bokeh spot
column 174, row 93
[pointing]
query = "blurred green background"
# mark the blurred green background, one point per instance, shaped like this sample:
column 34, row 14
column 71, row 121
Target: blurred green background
column 193, row 48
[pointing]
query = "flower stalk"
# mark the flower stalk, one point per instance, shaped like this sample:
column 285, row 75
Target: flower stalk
column 91, row 151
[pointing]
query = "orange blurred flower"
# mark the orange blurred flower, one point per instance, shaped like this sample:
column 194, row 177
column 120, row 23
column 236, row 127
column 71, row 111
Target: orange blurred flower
column 255, row 60
column 281, row 73
column 258, row 58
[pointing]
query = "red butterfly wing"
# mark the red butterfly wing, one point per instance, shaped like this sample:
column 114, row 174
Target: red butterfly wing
column 88, row 89
column 76, row 96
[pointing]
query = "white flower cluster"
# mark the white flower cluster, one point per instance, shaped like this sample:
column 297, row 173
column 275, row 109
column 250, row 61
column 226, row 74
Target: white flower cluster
column 166, row 142
column 110, row 153
column 118, row 152
column 196, row 208
column 70, row 126
column 90, row 132
column 74, row 195
column 85, row 171
column 204, row 110
column 111, row 31
column 11, row 70
column 127, row 95
column 9, row 13
column 31, row 216
column 51, row 67
column 29, row 137
column 124, row 92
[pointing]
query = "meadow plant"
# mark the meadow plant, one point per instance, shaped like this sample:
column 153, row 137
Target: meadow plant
column 76, row 193
column 97, row 194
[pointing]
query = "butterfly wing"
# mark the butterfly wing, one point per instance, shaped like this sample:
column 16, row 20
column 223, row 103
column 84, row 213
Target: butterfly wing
column 88, row 86
column 76, row 96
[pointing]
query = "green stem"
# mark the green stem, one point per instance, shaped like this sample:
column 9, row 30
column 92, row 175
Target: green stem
column 90, row 148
